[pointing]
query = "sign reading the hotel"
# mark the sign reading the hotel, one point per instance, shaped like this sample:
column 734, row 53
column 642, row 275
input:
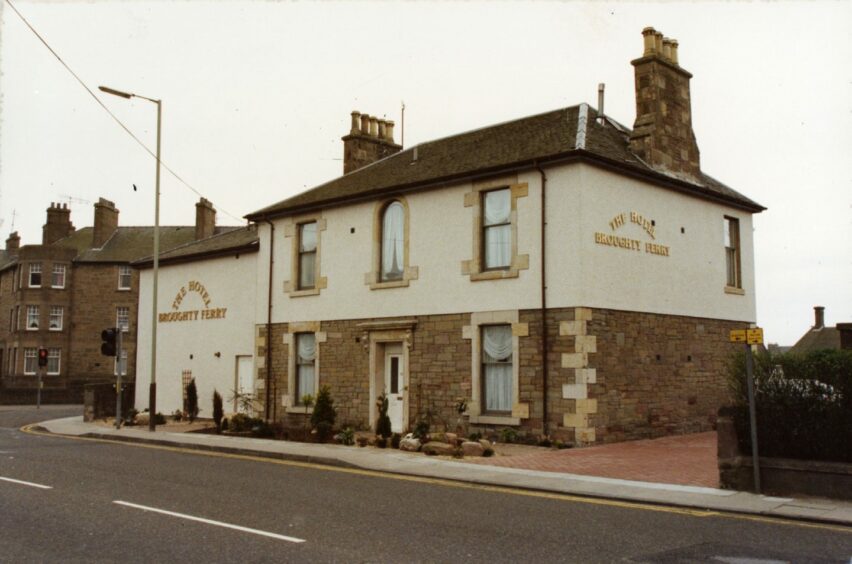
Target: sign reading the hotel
column 629, row 244
column 195, row 314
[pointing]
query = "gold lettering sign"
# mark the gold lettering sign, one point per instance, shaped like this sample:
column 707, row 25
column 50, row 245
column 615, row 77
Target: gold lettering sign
column 192, row 315
column 632, row 244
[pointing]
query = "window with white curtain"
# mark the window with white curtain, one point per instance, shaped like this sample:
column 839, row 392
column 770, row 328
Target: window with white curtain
column 58, row 278
column 497, row 229
column 306, row 355
column 30, row 361
column 32, row 317
column 497, row 368
column 56, row 315
column 307, row 255
column 393, row 242
column 54, row 357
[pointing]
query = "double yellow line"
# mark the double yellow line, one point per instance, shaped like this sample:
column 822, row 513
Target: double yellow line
column 464, row 485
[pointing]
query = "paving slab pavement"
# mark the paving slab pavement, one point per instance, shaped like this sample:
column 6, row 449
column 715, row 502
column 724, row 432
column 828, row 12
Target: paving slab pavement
column 416, row 464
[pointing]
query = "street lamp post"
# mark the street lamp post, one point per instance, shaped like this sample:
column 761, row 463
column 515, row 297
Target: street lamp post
column 152, row 392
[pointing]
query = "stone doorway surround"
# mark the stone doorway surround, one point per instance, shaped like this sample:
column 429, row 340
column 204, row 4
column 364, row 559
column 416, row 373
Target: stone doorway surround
column 376, row 335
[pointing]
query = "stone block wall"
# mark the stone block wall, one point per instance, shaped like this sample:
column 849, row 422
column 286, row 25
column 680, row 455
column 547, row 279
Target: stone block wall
column 612, row 375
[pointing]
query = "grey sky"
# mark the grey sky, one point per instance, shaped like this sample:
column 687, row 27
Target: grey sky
column 257, row 95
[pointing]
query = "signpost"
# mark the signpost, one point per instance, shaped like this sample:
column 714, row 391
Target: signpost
column 750, row 337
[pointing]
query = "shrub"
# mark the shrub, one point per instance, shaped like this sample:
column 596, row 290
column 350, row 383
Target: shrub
column 421, row 430
column 488, row 452
column 804, row 405
column 381, row 442
column 383, row 425
column 191, row 401
column 225, row 424
column 474, row 437
column 177, row 415
column 395, row 439
column 346, row 437
column 130, row 416
column 240, row 422
column 159, row 419
column 324, row 415
column 508, row 435
column 217, row 411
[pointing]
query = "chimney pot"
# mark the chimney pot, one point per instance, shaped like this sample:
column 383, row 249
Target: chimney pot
column 667, row 49
column 674, row 51
column 389, row 130
column 365, row 124
column 649, row 35
column 819, row 317
column 658, row 43
column 374, row 126
column 356, row 123
column 369, row 140
column 383, row 129
column 601, row 87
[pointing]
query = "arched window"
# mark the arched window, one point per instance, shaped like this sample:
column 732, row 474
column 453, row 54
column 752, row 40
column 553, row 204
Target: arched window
column 393, row 242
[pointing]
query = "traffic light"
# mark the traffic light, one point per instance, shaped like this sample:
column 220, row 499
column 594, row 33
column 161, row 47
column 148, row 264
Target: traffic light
column 108, row 337
column 42, row 358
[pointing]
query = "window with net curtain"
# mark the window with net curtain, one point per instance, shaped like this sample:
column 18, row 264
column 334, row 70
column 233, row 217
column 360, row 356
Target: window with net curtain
column 393, row 242
column 497, row 368
column 307, row 255
column 306, row 354
column 497, row 229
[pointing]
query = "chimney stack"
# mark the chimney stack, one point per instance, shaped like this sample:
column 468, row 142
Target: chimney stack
column 662, row 133
column 205, row 219
column 106, row 222
column 819, row 317
column 13, row 243
column 369, row 140
column 58, row 224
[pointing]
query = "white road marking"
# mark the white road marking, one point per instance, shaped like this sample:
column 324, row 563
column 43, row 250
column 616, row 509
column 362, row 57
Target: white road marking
column 211, row 522
column 23, row 483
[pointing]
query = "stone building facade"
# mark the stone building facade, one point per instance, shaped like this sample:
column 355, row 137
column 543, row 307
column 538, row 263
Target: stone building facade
column 559, row 275
column 62, row 293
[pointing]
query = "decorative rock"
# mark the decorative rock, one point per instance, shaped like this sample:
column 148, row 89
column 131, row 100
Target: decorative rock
column 486, row 444
column 142, row 418
column 434, row 447
column 470, row 448
column 409, row 444
column 451, row 438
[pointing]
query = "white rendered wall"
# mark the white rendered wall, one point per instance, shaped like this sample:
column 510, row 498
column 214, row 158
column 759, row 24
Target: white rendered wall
column 441, row 229
column 581, row 200
column 230, row 283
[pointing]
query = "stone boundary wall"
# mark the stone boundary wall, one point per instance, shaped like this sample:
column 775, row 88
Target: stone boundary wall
column 612, row 375
column 99, row 400
column 778, row 476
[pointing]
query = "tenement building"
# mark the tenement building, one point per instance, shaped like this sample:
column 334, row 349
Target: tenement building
column 62, row 293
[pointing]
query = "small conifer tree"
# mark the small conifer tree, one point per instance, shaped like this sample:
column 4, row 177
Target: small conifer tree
column 217, row 411
column 191, row 401
column 324, row 415
column 383, row 425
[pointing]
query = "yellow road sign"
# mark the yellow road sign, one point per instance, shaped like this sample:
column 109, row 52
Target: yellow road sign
column 738, row 336
column 754, row 336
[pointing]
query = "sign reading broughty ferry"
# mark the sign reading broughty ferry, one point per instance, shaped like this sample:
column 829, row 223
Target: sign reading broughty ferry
column 195, row 314
column 632, row 244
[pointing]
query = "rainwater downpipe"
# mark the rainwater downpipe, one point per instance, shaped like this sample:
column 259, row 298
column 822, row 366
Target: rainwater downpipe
column 269, row 388
column 544, row 344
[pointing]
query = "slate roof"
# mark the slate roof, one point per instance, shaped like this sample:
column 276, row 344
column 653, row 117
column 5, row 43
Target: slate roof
column 6, row 258
column 557, row 135
column 228, row 241
column 817, row 340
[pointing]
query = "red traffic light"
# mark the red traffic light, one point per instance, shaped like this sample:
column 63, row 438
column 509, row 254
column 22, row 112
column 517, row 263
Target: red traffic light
column 42, row 358
column 108, row 337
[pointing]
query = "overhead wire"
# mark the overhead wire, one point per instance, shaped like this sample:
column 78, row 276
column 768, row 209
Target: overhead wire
column 112, row 115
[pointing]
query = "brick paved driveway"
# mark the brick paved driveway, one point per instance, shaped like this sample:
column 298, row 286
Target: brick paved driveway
column 684, row 459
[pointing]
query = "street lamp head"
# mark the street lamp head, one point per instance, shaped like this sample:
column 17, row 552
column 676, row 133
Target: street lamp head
column 115, row 92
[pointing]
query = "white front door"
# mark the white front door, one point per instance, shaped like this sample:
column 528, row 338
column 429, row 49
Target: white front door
column 395, row 387
column 245, row 383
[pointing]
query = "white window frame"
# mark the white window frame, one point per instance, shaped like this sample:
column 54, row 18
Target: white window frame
column 35, row 268
column 56, row 312
column 485, row 227
column 125, row 327
column 125, row 271
column 54, row 353
column 483, row 384
column 300, row 253
column 733, row 271
column 61, row 270
column 33, row 314
column 30, row 361
column 290, row 402
column 297, row 399
column 476, row 409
